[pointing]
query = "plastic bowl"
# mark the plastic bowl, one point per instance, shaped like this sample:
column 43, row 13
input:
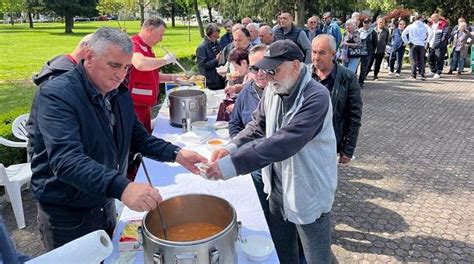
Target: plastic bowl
column 257, row 248
column 223, row 133
column 215, row 144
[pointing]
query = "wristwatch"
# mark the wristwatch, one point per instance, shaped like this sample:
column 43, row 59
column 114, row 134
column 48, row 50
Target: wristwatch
column 175, row 154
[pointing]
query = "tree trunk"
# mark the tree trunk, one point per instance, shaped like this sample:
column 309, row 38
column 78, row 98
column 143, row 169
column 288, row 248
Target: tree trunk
column 12, row 19
column 30, row 19
column 300, row 8
column 198, row 17
column 142, row 12
column 209, row 8
column 69, row 23
column 173, row 23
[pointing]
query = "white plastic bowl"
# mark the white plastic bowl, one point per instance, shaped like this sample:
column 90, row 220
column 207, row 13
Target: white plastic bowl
column 223, row 133
column 257, row 248
column 215, row 144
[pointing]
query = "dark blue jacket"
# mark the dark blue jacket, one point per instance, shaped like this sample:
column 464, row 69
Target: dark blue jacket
column 77, row 160
column 225, row 40
column 397, row 41
column 246, row 103
column 207, row 64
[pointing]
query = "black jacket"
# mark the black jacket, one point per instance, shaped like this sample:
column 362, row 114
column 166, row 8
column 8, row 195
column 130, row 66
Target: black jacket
column 207, row 64
column 347, row 109
column 77, row 160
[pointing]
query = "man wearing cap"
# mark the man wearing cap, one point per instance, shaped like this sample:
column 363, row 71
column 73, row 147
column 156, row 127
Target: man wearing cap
column 291, row 138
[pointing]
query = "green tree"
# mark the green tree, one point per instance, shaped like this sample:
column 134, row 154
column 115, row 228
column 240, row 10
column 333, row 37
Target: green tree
column 70, row 8
column 12, row 8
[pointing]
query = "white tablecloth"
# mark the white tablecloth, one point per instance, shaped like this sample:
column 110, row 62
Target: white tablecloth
column 172, row 180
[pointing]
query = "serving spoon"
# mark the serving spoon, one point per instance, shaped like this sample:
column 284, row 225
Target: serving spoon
column 162, row 221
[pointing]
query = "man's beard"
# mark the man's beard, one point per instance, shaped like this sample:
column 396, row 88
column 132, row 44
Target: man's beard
column 285, row 87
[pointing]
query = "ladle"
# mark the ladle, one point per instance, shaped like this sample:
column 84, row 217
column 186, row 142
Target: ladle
column 162, row 222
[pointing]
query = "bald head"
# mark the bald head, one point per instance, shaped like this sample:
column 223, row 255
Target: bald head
column 79, row 52
column 246, row 20
column 434, row 18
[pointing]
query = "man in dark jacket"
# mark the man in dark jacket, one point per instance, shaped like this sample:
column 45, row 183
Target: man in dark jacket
column 227, row 38
column 369, row 40
column 438, row 45
column 208, row 55
column 83, row 131
column 287, row 30
column 345, row 95
column 398, row 49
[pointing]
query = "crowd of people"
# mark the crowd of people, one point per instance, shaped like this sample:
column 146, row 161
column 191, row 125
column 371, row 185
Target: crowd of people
column 297, row 114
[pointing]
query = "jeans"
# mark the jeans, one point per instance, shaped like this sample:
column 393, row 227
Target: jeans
column 352, row 64
column 417, row 60
column 457, row 63
column 397, row 56
column 436, row 59
column 262, row 197
column 315, row 237
column 60, row 224
column 364, row 68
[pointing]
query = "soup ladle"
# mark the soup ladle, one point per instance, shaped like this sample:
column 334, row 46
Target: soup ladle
column 162, row 222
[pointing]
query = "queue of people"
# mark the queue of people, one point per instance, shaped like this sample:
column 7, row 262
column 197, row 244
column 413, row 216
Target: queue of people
column 296, row 116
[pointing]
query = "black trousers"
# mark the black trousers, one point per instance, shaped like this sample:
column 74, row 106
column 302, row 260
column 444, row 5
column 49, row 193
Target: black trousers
column 436, row 59
column 59, row 224
column 417, row 60
column 377, row 59
column 364, row 68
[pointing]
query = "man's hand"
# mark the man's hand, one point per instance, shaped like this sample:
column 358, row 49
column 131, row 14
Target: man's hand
column 222, row 152
column 141, row 197
column 170, row 58
column 214, row 172
column 187, row 159
column 219, row 56
column 343, row 159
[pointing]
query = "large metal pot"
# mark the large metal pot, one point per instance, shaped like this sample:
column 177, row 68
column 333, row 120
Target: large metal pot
column 187, row 104
column 191, row 208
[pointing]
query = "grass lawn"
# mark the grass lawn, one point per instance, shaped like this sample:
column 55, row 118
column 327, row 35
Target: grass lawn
column 25, row 50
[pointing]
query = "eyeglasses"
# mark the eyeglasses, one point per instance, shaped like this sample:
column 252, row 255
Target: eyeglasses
column 312, row 22
column 256, row 70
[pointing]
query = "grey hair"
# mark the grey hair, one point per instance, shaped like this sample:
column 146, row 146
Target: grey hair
column 354, row 15
column 154, row 22
column 330, row 38
column 257, row 48
column 267, row 29
column 211, row 28
column 227, row 20
column 253, row 25
column 105, row 36
column 351, row 22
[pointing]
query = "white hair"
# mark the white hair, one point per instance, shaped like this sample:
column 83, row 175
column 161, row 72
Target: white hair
column 351, row 22
column 330, row 38
column 355, row 15
column 252, row 25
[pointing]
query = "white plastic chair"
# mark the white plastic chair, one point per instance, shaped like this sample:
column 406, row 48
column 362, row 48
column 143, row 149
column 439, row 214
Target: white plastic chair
column 13, row 177
column 19, row 127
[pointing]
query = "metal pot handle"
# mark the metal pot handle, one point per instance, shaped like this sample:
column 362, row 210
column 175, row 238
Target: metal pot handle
column 239, row 232
column 214, row 257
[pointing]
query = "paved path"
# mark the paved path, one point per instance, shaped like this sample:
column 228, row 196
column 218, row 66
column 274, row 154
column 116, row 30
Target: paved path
column 408, row 196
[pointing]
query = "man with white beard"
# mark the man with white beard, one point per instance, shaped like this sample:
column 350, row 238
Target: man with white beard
column 292, row 138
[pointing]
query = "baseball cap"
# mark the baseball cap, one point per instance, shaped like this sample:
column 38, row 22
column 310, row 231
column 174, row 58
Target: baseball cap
column 279, row 52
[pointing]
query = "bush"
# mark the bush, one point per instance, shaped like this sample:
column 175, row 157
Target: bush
column 9, row 155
